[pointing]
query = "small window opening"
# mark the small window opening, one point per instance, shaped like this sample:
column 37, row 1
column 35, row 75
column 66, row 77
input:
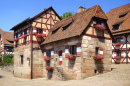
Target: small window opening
column 116, row 27
column 53, row 32
column 96, row 50
column 25, row 31
column 64, row 28
column 73, row 49
column 21, row 59
column 119, row 54
column 119, row 40
column 95, row 71
column 39, row 30
column 122, row 15
column 48, row 53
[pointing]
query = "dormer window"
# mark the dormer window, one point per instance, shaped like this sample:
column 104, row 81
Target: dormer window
column 122, row 15
column 55, row 30
column 116, row 27
column 65, row 27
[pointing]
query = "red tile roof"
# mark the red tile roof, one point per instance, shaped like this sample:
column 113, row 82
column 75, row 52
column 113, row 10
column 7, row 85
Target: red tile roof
column 119, row 15
column 79, row 22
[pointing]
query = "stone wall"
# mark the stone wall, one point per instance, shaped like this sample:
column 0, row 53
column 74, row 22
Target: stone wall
column 90, row 66
column 22, row 70
column 69, row 68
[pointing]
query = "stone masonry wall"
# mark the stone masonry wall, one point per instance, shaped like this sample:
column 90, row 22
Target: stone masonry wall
column 90, row 66
column 22, row 70
column 72, row 68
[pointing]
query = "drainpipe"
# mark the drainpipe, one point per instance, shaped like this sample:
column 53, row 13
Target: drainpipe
column 31, row 50
column 126, row 49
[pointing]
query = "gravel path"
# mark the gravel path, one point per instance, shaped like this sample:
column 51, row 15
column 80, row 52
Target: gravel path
column 119, row 76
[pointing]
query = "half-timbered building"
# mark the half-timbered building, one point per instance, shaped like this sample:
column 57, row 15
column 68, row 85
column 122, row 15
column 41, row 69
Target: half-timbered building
column 118, row 21
column 28, row 35
column 6, row 42
column 79, row 46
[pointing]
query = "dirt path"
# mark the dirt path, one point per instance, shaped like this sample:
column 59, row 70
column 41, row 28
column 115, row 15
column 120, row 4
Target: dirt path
column 119, row 76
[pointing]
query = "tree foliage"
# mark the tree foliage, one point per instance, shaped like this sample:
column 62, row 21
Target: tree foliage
column 8, row 59
column 67, row 14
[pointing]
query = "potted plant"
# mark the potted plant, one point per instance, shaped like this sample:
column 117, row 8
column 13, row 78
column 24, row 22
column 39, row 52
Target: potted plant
column 47, row 59
column 40, row 35
column 99, row 27
column 71, row 57
column 98, row 57
column 117, row 45
column 49, row 68
column 117, row 59
column 15, row 39
column 24, row 36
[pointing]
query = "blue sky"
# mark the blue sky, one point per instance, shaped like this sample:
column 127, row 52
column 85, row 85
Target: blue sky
column 13, row 12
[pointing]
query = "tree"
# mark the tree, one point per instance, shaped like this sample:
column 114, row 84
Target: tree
column 67, row 14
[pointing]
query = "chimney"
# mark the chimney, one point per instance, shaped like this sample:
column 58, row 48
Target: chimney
column 80, row 9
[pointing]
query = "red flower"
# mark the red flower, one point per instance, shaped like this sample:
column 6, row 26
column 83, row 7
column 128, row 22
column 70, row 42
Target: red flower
column 98, row 57
column 24, row 36
column 47, row 58
column 40, row 35
column 72, row 57
column 49, row 68
column 117, row 44
column 99, row 27
column 117, row 58
column 15, row 39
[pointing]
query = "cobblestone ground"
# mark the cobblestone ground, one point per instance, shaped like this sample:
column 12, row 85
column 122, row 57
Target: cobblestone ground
column 119, row 76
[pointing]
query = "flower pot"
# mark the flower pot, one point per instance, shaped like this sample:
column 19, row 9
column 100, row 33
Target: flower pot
column 117, row 61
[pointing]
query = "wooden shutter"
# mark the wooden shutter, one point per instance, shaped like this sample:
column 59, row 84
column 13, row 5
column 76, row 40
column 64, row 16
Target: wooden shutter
column 115, row 54
column 67, row 51
column 78, row 49
column 52, row 52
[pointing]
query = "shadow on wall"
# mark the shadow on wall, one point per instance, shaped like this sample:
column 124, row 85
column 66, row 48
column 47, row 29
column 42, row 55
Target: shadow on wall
column 71, row 64
column 99, row 66
column 49, row 74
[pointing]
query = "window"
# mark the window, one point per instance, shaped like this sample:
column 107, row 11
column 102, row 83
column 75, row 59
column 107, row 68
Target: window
column 119, row 54
column 55, row 31
column 116, row 27
column 25, row 31
column 21, row 59
column 48, row 53
column 122, row 15
column 73, row 49
column 65, row 27
column 96, row 50
column 119, row 40
column 39, row 30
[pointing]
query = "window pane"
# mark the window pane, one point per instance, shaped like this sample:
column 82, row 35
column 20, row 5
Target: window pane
column 21, row 59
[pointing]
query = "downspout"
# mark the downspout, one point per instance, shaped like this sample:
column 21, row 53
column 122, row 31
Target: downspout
column 126, row 49
column 31, row 50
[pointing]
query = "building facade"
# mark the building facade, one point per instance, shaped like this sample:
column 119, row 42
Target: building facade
column 28, row 35
column 78, row 47
column 118, row 21
column 6, row 42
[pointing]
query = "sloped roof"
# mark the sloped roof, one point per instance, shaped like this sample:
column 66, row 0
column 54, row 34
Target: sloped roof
column 29, row 20
column 79, row 22
column 6, row 37
column 119, row 15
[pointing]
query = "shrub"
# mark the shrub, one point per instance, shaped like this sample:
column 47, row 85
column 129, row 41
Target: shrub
column 8, row 59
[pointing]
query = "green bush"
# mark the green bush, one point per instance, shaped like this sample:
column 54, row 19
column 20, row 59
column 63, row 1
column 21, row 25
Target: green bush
column 8, row 59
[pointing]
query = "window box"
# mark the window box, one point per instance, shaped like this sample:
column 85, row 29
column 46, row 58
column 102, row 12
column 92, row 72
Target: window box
column 40, row 35
column 24, row 36
column 117, row 59
column 15, row 39
column 71, row 57
column 49, row 68
column 47, row 59
column 99, row 27
column 98, row 57
column 117, row 45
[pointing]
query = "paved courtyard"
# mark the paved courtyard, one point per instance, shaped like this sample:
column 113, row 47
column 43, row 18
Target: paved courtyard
column 119, row 76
